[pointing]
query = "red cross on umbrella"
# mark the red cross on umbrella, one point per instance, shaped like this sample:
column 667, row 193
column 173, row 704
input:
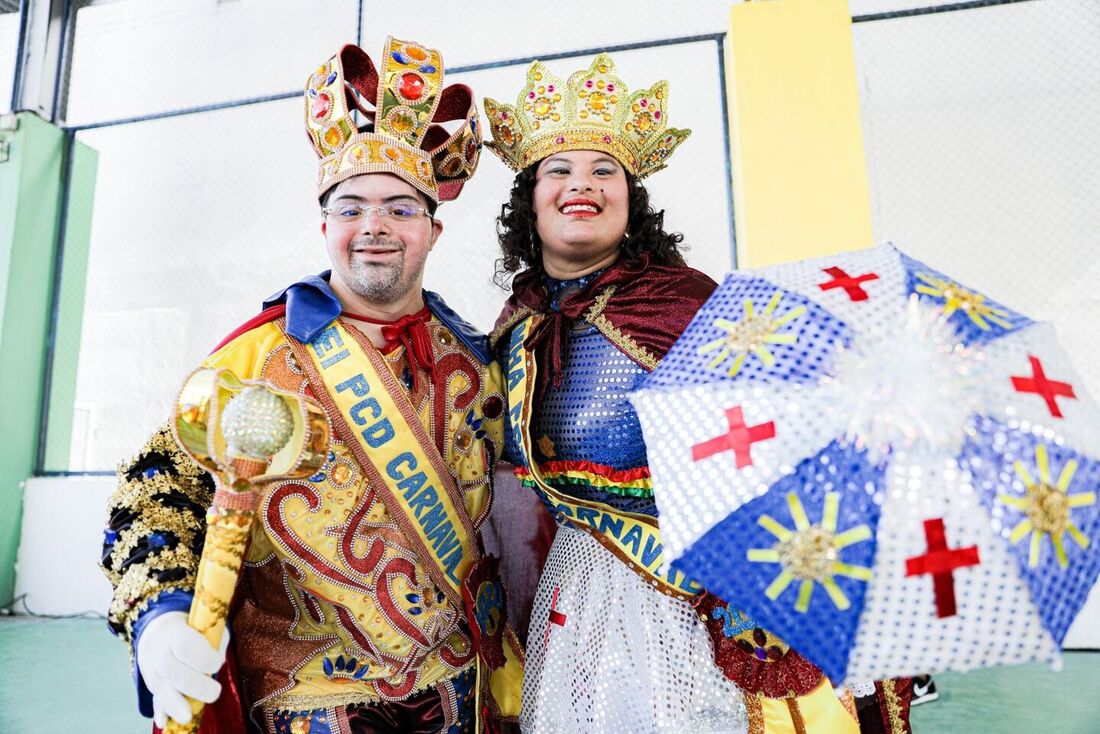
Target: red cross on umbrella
column 851, row 284
column 1048, row 390
column 940, row 562
column 739, row 440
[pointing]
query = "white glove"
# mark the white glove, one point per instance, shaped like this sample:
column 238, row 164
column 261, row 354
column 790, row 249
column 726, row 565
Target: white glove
column 177, row 661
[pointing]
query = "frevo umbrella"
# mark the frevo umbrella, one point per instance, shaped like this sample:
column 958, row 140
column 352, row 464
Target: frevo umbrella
column 892, row 472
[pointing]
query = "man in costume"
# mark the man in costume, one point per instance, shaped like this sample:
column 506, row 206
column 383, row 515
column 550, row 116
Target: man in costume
column 348, row 616
column 616, row 642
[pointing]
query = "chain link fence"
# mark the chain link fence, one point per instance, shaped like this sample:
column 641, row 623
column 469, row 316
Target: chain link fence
column 981, row 133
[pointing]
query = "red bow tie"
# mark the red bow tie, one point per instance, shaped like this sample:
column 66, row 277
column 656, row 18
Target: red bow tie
column 411, row 332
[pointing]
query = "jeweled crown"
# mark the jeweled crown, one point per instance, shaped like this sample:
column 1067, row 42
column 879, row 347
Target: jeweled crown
column 593, row 110
column 402, row 134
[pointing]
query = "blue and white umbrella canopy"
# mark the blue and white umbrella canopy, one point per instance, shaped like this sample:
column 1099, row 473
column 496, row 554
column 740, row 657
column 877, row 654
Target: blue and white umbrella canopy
column 890, row 471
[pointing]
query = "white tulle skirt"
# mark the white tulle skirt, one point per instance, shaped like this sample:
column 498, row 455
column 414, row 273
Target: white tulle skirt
column 625, row 658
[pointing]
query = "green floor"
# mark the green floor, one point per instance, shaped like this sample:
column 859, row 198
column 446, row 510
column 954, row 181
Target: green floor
column 71, row 676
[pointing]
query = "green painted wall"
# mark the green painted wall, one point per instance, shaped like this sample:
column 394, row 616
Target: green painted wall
column 30, row 203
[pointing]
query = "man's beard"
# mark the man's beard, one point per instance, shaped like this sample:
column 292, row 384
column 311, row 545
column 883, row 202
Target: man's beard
column 380, row 282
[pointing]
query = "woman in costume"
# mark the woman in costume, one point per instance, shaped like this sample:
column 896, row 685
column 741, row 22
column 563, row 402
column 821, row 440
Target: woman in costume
column 614, row 643
column 603, row 294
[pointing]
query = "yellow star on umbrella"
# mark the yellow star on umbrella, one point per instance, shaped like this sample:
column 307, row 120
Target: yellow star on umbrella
column 1047, row 508
column 956, row 298
column 751, row 334
column 811, row 553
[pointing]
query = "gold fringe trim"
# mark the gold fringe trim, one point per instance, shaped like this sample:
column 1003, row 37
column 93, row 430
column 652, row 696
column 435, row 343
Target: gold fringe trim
column 145, row 526
column 504, row 329
column 796, row 715
column 594, row 315
column 135, row 588
column 755, row 711
column 138, row 587
column 893, row 708
column 138, row 493
column 162, row 442
column 848, row 700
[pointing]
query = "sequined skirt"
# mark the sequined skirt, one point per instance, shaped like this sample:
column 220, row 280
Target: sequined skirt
column 607, row 653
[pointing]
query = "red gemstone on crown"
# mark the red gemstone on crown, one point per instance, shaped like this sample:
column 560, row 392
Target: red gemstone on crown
column 321, row 106
column 561, row 139
column 611, row 87
column 607, row 138
column 411, row 86
column 645, row 103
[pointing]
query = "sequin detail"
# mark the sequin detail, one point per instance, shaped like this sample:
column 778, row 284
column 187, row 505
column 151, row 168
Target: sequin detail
column 598, row 452
column 560, row 288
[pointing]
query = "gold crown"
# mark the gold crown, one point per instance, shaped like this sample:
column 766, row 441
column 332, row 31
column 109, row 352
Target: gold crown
column 402, row 136
column 593, row 110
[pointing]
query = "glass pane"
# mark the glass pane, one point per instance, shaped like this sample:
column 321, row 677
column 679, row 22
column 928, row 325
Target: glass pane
column 980, row 131
column 133, row 57
column 9, row 40
column 197, row 219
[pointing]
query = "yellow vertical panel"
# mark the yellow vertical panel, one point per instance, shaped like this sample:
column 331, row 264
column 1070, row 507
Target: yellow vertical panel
column 799, row 178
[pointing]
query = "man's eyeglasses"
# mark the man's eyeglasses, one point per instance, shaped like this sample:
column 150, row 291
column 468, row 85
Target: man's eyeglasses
column 348, row 213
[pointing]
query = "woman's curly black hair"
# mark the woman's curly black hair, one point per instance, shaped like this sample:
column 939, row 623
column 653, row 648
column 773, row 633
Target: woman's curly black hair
column 520, row 248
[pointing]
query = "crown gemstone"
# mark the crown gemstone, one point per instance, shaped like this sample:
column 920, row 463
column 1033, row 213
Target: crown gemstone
column 333, row 136
column 416, row 53
column 402, row 124
column 542, row 107
column 322, row 106
column 471, row 150
column 411, row 86
column 452, row 166
column 597, row 101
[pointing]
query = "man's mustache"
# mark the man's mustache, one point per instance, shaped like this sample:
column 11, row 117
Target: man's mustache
column 371, row 241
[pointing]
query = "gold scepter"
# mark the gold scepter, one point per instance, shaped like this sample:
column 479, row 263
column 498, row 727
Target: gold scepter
column 246, row 434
